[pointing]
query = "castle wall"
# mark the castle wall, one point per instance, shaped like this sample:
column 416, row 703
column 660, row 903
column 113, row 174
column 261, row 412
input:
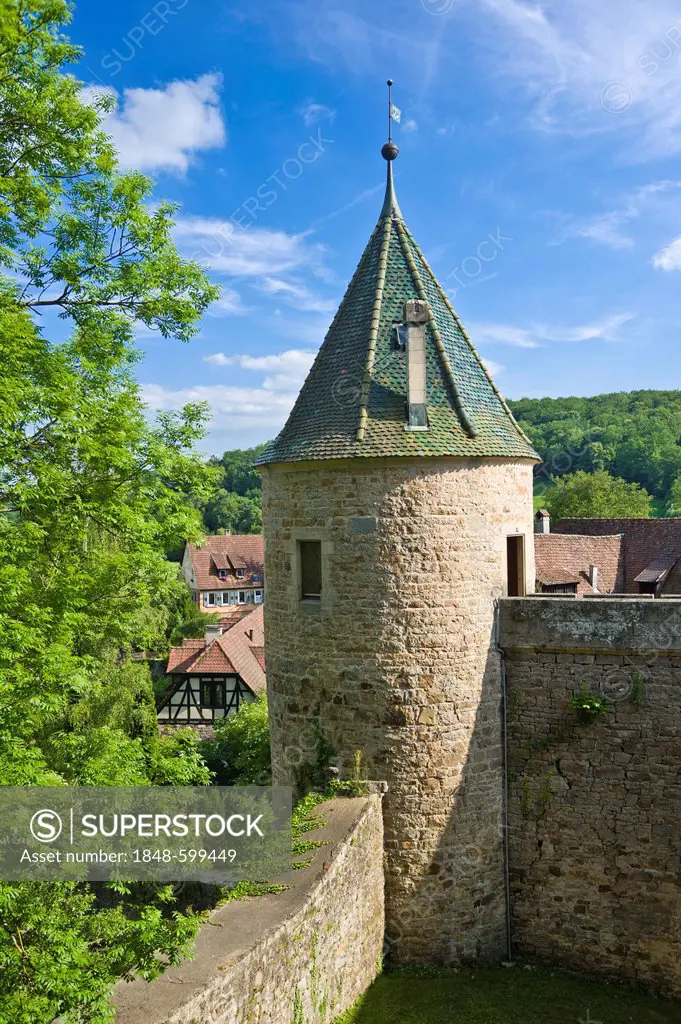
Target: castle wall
column 595, row 808
column 305, row 954
column 399, row 661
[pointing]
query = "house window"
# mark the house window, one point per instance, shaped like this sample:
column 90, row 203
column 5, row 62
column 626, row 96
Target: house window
column 515, row 566
column 310, row 553
column 209, row 599
column 258, row 596
column 240, row 573
column 212, row 693
column 242, row 597
column 557, row 588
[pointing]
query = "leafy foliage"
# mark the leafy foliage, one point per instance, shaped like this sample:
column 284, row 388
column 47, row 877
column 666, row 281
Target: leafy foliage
column 596, row 494
column 590, row 706
column 632, row 435
column 186, row 620
column 91, row 496
column 227, row 512
column 240, row 753
column 236, row 504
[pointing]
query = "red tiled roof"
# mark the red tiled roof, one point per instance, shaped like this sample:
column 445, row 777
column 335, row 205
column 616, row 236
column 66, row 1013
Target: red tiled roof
column 658, row 569
column 259, row 655
column 645, row 540
column 231, row 614
column 229, row 552
column 567, row 558
column 195, row 656
column 238, row 651
column 243, row 644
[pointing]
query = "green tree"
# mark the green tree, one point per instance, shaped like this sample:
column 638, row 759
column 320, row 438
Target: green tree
column 91, row 496
column 238, row 470
column 240, row 753
column 674, row 501
column 633, row 435
column 236, row 503
column 233, row 513
column 597, row 494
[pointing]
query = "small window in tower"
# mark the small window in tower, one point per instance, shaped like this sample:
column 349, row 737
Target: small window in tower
column 515, row 566
column 400, row 337
column 310, row 570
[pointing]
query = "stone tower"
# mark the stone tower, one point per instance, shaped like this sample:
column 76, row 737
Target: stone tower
column 397, row 506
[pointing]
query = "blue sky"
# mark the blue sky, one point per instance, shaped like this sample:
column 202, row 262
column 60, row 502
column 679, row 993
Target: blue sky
column 539, row 170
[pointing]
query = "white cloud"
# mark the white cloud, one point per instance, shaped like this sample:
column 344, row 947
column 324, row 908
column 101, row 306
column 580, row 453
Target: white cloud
column 608, row 228
column 503, row 334
column 605, row 230
column 313, row 113
column 669, row 258
column 290, row 368
column 219, row 359
column 255, row 252
column 532, row 337
column 163, row 129
column 255, row 412
column 229, row 304
column 410, row 125
column 594, row 67
column 493, row 368
column 262, row 257
column 297, row 295
column 258, row 408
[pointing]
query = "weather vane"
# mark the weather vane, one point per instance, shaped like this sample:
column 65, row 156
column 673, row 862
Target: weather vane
column 390, row 150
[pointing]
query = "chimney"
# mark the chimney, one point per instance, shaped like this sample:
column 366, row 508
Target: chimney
column 593, row 576
column 542, row 521
column 416, row 317
column 212, row 632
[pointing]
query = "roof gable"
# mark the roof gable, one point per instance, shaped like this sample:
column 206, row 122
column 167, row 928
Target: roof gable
column 237, row 651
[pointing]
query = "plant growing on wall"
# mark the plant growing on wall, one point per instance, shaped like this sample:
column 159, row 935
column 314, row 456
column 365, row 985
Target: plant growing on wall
column 357, row 784
column 590, row 706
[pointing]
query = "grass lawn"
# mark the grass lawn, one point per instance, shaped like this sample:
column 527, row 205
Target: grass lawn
column 513, row 995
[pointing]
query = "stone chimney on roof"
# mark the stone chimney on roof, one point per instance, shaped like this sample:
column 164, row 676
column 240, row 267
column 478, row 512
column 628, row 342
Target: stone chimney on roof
column 593, row 576
column 542, row 521
column 416, row 316
column 212, row 631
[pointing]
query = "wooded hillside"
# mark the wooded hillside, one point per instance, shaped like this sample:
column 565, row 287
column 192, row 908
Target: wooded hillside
column 634, row 435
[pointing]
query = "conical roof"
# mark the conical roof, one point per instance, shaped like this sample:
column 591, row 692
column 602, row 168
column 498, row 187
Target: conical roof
column 353, row 403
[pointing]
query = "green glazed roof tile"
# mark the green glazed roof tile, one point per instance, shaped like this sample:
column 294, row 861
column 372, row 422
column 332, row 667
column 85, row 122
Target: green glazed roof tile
column 354, row 401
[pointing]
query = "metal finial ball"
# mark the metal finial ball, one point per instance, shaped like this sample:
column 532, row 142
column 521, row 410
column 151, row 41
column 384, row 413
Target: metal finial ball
column 390, row 81
column 389, row 151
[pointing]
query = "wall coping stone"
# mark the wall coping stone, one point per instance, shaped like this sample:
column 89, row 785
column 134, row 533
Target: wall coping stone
column 622, row 624
column 239, row 928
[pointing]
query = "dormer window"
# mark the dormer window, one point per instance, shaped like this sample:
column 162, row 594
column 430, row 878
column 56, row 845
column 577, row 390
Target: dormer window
column 240, row 573
column 400, row 337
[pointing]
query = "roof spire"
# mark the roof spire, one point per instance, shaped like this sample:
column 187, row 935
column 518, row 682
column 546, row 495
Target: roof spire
column 389, row 153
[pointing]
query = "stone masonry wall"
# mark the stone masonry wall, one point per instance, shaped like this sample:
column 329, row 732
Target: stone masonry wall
column 304, row 955
column 399, row 661
column 595, row 809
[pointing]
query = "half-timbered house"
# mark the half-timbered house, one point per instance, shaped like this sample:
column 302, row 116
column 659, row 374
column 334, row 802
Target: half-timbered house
column 213, row 677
